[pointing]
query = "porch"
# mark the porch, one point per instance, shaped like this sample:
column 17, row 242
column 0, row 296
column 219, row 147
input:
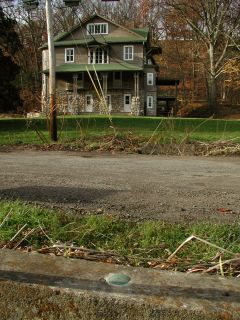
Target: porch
column 99, row 89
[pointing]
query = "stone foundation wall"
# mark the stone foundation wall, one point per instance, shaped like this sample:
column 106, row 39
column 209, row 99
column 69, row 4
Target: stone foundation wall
column 70, row 103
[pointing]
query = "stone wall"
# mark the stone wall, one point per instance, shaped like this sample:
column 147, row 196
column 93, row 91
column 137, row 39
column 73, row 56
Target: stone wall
column 68, row 103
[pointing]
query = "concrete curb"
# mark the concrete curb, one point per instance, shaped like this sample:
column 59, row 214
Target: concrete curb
column 34, row 286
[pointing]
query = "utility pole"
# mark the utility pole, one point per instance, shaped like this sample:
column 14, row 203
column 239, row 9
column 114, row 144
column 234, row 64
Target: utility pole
column 33, row 4
column 52, row 73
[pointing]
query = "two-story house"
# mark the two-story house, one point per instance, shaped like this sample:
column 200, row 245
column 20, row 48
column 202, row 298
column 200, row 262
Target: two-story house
column 100, row 58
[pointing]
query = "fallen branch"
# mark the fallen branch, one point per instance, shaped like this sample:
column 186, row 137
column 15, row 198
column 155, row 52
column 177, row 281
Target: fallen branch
column 193, row 237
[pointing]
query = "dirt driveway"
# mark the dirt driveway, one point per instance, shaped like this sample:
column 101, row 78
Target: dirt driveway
column 142, row 187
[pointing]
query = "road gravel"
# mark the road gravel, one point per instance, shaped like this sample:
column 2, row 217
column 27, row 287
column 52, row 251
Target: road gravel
column 133, row 186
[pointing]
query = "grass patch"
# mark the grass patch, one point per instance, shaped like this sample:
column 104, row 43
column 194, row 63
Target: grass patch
column 73, row 128
column 141, row 242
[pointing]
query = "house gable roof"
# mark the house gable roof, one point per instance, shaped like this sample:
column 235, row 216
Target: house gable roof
column 141, row 33
column 136, row 35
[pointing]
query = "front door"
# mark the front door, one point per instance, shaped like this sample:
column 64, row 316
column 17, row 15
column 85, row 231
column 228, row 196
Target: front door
column 127, row 102
column 88, row 103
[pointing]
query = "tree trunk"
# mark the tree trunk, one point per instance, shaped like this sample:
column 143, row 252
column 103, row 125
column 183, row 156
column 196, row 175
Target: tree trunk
column 212, row 99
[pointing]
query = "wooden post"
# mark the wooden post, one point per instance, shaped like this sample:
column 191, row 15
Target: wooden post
column 52, row 80
column 137, row 93
column 105, row 77
column 75, row 84
column 135, row 84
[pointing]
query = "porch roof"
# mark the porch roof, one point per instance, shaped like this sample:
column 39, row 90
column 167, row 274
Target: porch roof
column 74, row 67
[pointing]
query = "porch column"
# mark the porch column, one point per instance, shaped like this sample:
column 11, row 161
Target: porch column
column 75, row 78
column 135, row 100
column 137, row 84
column 105, row 77
column 104, row 88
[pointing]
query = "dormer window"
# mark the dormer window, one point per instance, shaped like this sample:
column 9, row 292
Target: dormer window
column 69, row 55
column 97, row 28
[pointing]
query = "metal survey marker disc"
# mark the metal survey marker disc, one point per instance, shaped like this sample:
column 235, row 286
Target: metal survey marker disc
column 117, row 279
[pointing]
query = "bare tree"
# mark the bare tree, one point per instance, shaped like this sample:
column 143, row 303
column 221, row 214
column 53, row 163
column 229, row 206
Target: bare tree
column 215, row 24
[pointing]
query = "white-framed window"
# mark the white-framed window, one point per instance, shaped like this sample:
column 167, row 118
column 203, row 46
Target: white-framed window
column 149, row 102
column 128, row 53
column 97, row 55
column 150, row 79
column 69, row 55
column 97, row 28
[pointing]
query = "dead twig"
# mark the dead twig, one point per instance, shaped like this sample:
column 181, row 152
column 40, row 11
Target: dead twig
column 180, row 247
column 16, row 234
column 6, row 217
column 193, row 237
column 91, row 251
column 45, row 233
column 25, row 237
column 220, row 264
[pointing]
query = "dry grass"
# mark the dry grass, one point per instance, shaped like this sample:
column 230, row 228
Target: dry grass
column 197, row 247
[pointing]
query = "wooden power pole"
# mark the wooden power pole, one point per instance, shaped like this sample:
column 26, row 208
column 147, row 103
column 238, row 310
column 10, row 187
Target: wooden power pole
column 52, row 73
column 33, row 4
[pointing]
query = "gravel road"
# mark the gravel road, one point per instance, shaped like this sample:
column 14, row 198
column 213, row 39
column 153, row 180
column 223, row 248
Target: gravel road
column 136, row 186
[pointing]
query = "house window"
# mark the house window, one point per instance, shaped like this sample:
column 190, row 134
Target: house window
column 149, row 102
column 128, row 53
column 150, row 79
column 97, row 28
column 98, row 55
column 69, row 55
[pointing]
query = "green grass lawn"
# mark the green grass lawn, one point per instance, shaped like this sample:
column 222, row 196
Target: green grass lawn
column 72, row 128
column 141, row 242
